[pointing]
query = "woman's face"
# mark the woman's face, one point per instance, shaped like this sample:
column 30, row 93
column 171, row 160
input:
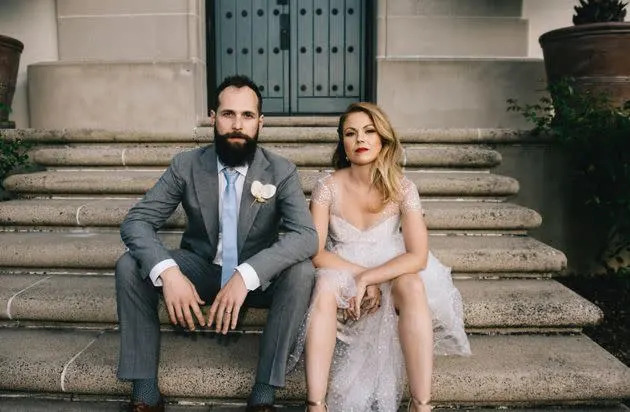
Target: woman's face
column 361, row 142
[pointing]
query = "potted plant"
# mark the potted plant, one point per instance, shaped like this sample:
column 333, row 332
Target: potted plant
column 10, row 50
column 594, row 52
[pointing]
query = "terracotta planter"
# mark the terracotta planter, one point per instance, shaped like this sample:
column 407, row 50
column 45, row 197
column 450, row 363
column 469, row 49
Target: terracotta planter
column 597, row 55
column 10, row 50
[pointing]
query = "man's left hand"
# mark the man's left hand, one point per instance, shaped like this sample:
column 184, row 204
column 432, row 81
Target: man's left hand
column 227, row 305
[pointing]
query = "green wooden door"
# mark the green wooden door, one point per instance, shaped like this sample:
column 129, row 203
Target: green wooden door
column 307, row 56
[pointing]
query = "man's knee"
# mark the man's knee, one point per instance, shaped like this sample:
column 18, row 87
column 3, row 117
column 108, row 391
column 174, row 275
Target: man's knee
column 300, row 276
column 126, row 270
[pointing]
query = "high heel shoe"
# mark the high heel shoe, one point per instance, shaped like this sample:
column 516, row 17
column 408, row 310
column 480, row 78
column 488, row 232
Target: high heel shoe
column 318, row 403
column 425, row 406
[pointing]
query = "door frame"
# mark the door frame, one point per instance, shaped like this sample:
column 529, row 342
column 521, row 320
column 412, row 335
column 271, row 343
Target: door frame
column 369, row 61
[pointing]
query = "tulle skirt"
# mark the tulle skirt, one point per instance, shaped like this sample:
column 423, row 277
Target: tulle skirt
column 368, row 370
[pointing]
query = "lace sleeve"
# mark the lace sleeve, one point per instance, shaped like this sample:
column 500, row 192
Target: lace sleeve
column 322, row 193
column 411, row 199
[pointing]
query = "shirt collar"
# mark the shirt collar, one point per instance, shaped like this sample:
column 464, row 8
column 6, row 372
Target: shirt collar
column 240, row 169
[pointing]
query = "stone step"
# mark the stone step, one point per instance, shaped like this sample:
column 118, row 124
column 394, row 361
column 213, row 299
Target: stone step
column 525, row 369
column 459, row 156
column 482, row 36
column 288, row 134
column 447, row 215
column 292, row 121
column 454, row 8
column 81, row 249
column 488, row 304
column 31, row 402
column 130, row 181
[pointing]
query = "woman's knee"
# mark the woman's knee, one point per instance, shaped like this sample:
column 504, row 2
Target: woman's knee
column 408, row 288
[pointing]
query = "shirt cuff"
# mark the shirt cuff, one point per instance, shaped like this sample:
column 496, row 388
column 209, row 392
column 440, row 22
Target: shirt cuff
column 158, row 269
column 249, row 275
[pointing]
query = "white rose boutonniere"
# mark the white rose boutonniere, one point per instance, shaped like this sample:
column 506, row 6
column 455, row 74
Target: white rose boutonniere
column 262, row 192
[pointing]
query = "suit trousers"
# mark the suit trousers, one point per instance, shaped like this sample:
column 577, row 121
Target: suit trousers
column 287, row 298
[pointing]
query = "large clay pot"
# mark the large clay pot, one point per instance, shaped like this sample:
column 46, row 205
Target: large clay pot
column 596, row 55
column 10, row 50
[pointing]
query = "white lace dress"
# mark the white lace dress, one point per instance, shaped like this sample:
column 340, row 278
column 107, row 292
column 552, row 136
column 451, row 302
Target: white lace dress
column 368, row 372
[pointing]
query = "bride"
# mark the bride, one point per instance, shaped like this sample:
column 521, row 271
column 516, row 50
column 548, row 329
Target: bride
column 397, row 302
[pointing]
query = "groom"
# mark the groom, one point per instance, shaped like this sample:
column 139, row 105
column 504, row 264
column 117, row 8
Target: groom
column 238, row 197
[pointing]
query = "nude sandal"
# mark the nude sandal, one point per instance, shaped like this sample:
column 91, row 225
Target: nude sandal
column 417, row 403
column 319, row 403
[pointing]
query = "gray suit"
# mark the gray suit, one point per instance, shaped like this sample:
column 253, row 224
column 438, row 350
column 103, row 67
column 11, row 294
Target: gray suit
column 281, row 262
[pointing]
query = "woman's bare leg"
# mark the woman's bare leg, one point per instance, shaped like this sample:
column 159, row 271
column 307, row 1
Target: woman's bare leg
column 416, row 336
column 320, row 344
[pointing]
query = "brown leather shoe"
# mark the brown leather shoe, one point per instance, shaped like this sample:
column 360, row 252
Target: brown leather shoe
column 143, row 407
column 261, row 408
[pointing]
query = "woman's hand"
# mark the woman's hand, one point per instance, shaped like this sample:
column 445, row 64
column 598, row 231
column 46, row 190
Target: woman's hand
column 371, row 300
column 355, row 302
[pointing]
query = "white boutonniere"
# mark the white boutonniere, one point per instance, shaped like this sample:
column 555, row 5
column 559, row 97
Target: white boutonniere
column 262, row 192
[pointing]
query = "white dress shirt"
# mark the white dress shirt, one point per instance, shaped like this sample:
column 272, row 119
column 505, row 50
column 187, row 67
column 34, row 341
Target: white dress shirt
column 250, row 277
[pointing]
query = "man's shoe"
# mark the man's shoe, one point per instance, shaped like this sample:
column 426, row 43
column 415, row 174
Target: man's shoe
column 261, row 408
column 143, row 407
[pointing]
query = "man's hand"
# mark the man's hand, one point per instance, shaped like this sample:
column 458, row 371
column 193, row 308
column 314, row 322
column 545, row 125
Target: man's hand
column 227, row 305
column 181, row 296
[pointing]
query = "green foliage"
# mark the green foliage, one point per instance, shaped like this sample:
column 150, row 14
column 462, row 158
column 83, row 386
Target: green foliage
column 596, row 136
column 4, row 108
column 12, row 154
column 12, row 151
column 599, row 11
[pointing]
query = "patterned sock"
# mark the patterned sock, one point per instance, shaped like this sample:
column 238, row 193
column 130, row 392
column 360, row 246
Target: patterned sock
column 262, row 394
column 146, row 391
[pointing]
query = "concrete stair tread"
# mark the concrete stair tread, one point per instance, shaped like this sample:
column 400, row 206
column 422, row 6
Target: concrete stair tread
column 292, row 121
column 503, row 369
column 507, row 303
column 270, row 134
column 100, row 250
column 454, row 8
column 110, row 212
column 130, row 181
column 30, row 403
column 315, row 154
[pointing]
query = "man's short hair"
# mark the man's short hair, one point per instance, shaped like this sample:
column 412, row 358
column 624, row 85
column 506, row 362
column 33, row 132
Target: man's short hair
column 238, row 81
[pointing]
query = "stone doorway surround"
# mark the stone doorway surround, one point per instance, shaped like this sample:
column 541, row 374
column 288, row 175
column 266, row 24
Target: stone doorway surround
column 123, row 65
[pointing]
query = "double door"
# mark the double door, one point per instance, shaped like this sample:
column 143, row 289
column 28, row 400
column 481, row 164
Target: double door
column 306, row 56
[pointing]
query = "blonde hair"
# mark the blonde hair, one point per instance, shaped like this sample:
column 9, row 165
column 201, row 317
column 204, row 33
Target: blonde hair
column 386, row 172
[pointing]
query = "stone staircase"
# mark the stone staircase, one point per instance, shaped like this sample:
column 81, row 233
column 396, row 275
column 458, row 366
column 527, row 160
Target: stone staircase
column 59, row 241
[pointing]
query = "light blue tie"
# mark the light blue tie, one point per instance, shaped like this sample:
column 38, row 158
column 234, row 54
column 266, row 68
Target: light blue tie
column 229, row 226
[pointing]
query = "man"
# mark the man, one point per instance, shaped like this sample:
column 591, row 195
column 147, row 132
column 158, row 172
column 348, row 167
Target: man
column 229, row 255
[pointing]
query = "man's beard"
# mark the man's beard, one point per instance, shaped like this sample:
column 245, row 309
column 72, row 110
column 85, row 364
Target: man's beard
column 235, row 154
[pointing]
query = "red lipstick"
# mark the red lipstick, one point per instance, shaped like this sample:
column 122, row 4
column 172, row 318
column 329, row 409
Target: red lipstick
column 361, row 150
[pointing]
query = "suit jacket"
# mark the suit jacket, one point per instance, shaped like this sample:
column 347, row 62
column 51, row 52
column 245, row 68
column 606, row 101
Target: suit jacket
column 192, row 179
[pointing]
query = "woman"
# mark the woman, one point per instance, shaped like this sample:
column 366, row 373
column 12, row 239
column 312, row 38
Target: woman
column 396, row 295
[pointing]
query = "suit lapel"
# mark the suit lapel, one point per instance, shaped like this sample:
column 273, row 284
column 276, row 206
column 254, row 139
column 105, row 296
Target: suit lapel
column 249, row 206
column 206, row 182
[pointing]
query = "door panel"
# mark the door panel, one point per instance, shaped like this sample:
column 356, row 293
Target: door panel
column 307, row 56
column 327, row 55
column 248, row 42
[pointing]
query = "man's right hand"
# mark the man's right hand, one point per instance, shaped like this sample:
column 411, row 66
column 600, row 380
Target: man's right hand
column 180, row 297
